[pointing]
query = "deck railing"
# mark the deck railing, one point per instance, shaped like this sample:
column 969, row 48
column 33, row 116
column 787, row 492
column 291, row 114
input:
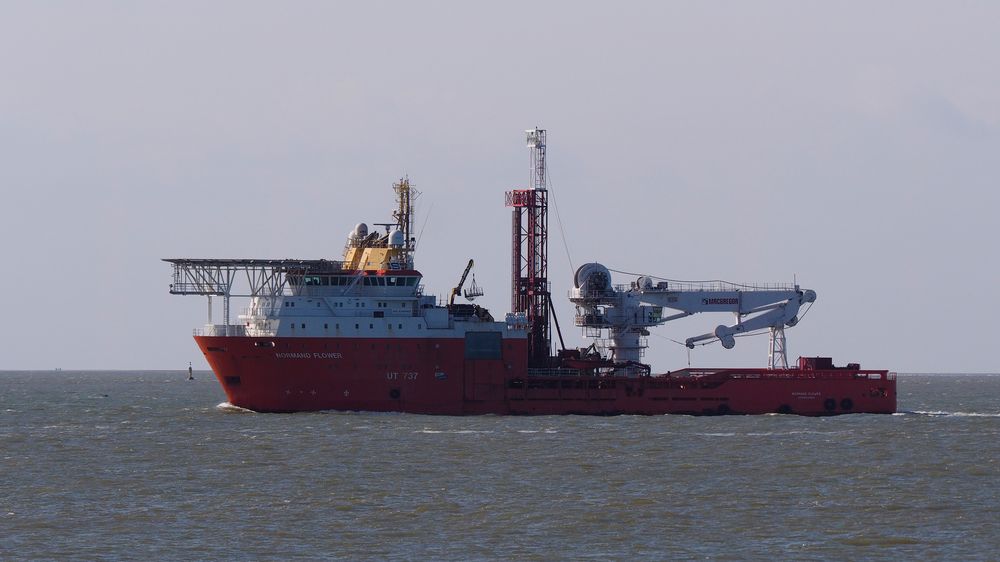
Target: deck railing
column 221, row 330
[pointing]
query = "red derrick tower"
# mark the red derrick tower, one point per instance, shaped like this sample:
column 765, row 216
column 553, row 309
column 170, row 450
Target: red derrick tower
column 530, row 248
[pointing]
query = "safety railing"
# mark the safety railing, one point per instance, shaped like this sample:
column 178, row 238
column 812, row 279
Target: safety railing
column 554, row 372
column 221, row 330
column 697, row 286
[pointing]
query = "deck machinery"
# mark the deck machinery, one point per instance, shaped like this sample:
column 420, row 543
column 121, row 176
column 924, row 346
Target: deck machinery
column 627, row 312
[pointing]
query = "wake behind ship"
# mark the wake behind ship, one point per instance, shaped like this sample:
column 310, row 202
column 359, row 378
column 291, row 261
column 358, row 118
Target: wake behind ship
column 359, row 333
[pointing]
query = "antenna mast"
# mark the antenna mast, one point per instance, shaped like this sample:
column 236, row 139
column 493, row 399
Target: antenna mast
column 403, row 214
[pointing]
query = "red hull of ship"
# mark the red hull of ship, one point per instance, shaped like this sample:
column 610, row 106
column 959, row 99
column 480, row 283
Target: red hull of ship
column 432, row 376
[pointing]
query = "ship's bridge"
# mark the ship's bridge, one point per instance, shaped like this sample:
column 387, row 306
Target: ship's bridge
column 355, row 283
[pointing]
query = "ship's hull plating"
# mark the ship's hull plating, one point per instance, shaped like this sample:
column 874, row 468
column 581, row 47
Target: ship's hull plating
column 432, row 376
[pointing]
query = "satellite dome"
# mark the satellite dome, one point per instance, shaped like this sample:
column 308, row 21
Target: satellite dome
column 592, row 278
column 360, row 231
column 396, row 239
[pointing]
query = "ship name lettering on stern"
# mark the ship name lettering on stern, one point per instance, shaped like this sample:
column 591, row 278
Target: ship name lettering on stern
column 408, row 376
column 308, row 356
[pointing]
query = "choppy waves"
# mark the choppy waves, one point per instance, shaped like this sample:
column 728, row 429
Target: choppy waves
column 156, row 468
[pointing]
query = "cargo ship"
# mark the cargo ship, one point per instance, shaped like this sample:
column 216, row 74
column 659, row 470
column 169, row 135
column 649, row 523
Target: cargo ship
column 360, row 334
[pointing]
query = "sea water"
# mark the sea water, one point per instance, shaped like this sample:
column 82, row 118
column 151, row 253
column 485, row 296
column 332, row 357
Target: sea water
column 148, row 465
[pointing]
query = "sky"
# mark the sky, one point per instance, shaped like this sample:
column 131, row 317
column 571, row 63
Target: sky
column 853, row 147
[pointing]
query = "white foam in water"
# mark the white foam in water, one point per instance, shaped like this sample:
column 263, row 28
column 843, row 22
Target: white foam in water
column 230, row 408
column 954, row 414
column 452, row 431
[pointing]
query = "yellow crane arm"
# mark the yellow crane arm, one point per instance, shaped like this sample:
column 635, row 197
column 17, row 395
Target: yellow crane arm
column 458, row 289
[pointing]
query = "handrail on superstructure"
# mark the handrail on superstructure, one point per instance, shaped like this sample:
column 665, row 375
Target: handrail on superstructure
column 696, row 286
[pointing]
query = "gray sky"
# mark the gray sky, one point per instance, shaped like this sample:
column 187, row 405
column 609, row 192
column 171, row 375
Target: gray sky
column 854, row 147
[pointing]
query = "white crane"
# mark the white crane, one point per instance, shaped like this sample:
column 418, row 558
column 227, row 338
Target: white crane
column 628, row 311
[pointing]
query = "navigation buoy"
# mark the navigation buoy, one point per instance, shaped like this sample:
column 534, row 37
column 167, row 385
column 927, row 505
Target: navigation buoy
column 190, row 372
